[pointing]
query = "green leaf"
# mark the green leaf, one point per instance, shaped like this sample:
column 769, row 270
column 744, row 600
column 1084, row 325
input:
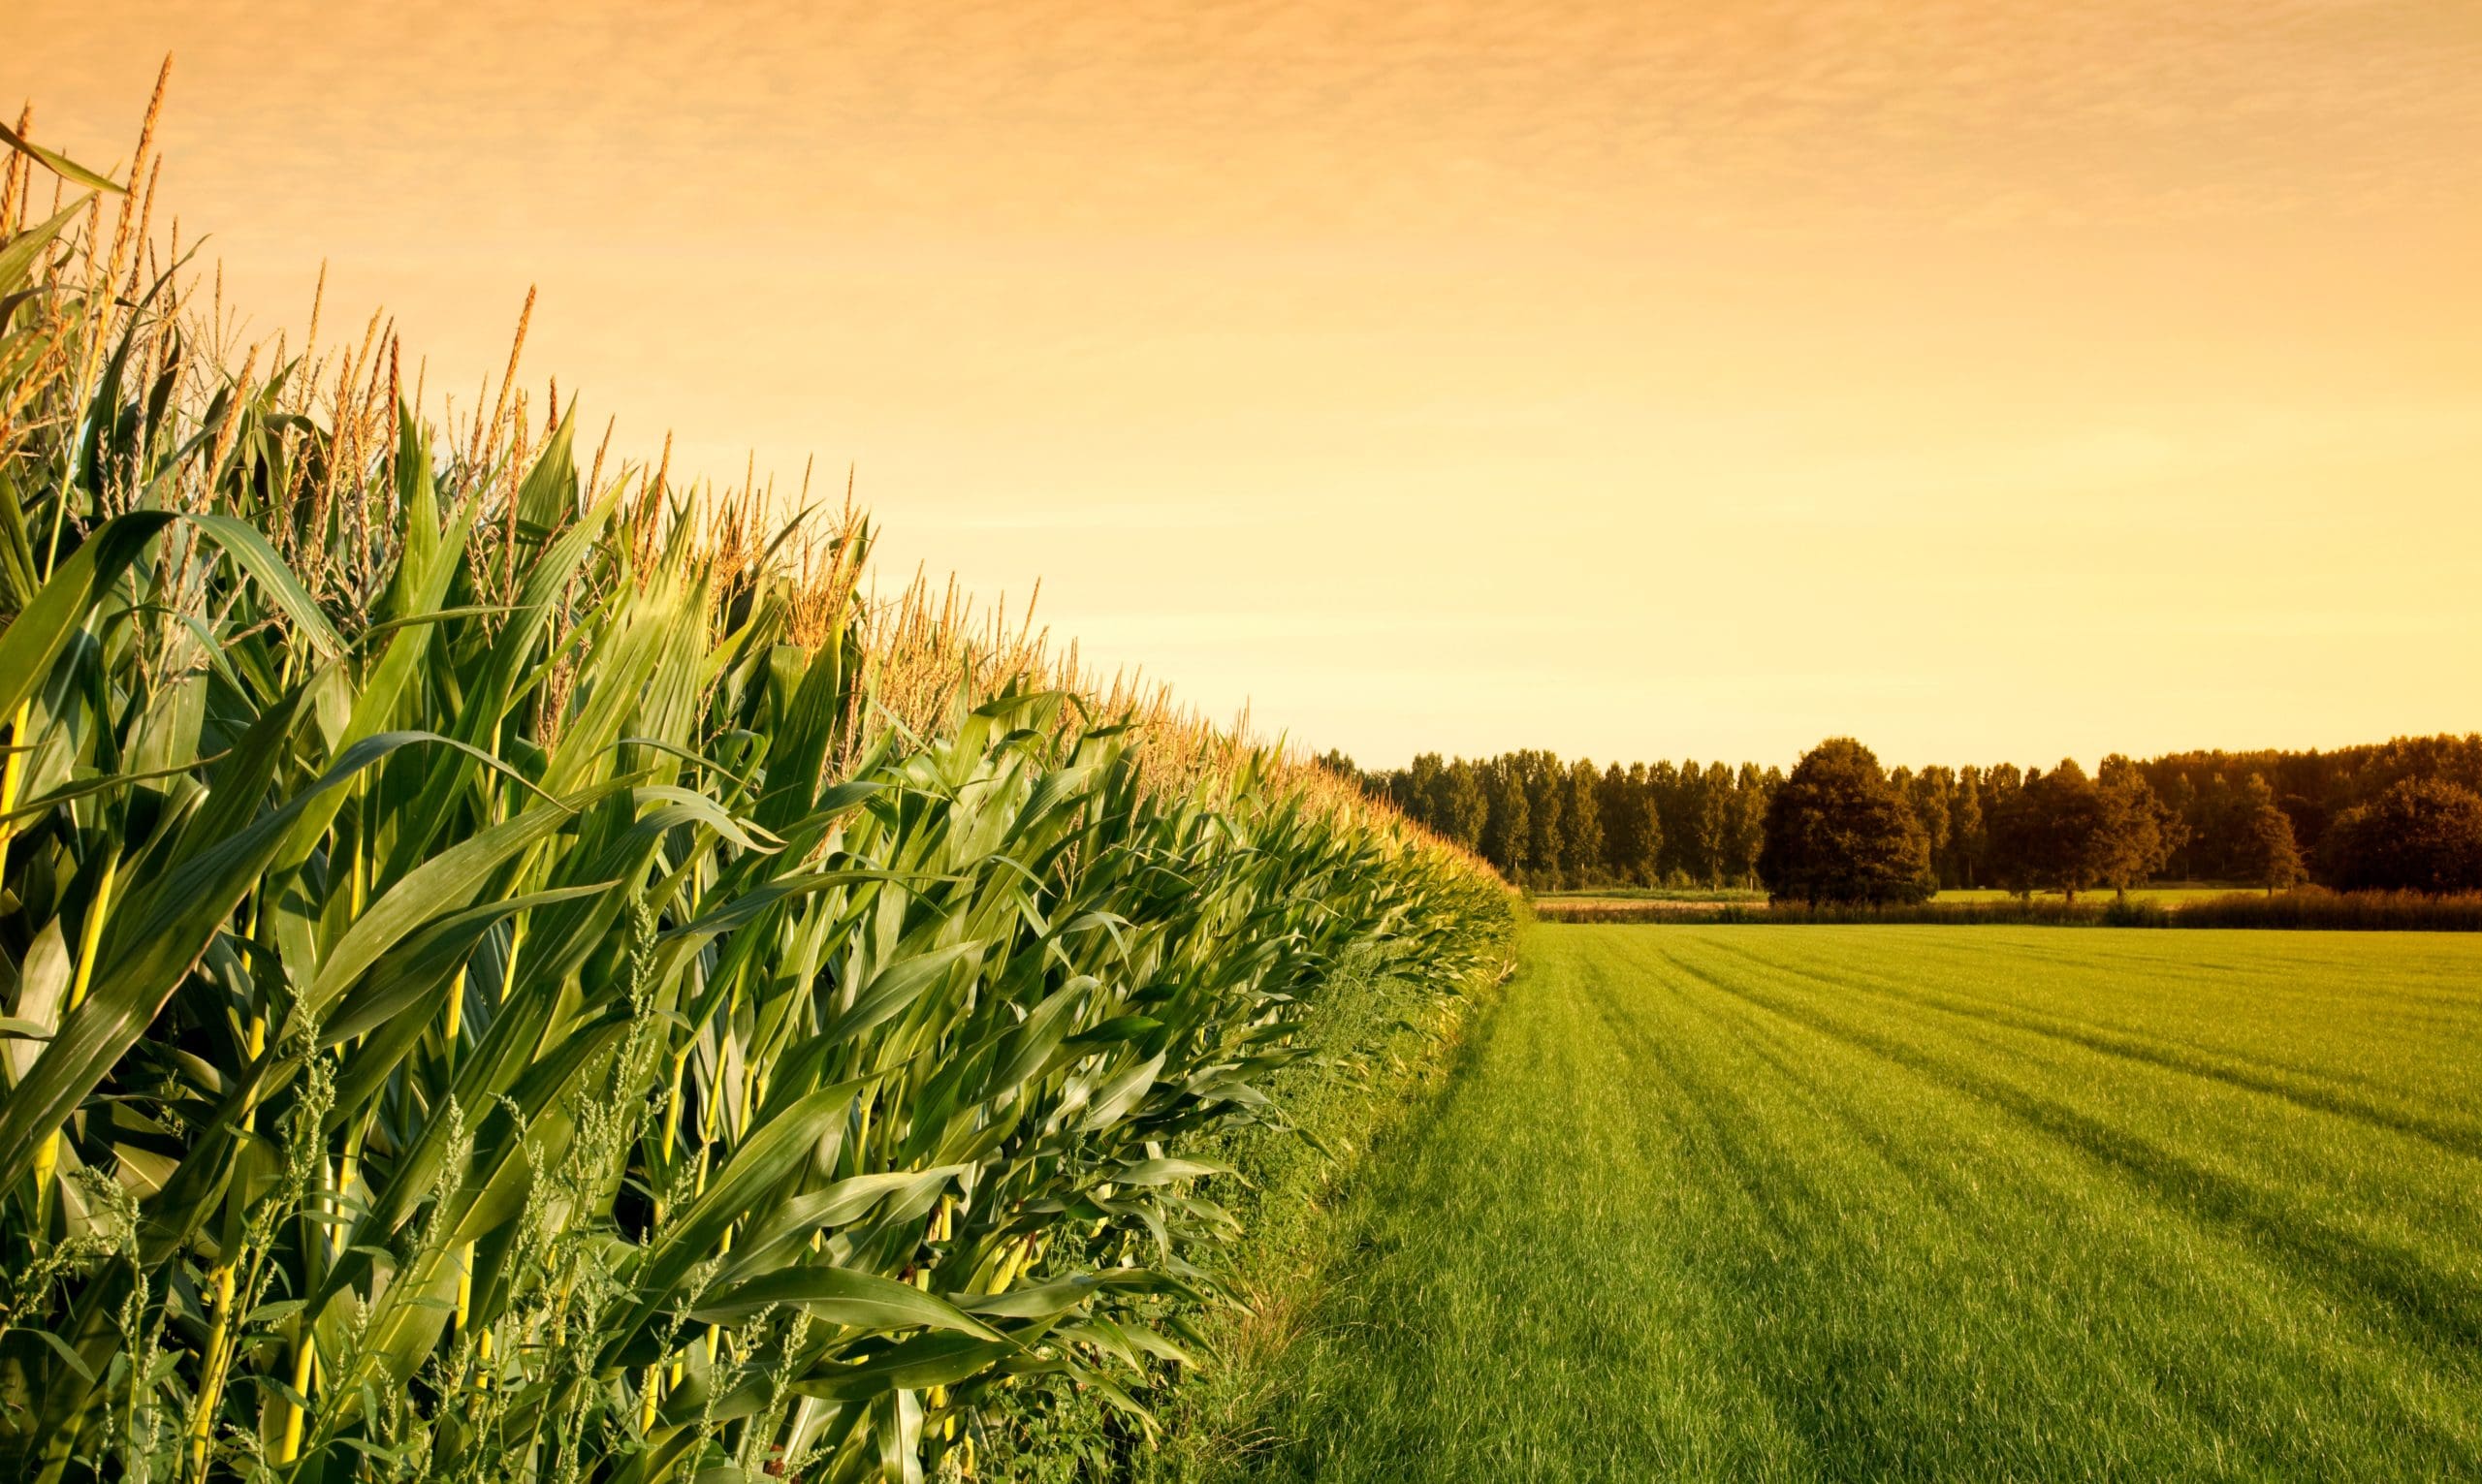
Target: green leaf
column 18, row 257
column 898, row 986
column 58, row 164
column 839, row 1296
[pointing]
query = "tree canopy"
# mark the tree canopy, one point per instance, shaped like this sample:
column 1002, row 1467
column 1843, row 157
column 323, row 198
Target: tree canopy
column 2420, row 834
column 1839, row 832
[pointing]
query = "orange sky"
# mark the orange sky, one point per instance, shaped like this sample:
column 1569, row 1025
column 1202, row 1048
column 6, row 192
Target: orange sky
column 1986, row 378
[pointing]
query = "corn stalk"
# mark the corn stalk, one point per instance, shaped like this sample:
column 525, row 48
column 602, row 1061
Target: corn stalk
column 516, row 974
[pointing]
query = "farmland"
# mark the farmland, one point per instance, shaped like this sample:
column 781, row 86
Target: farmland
column 516, row 968
column 1871, row 1202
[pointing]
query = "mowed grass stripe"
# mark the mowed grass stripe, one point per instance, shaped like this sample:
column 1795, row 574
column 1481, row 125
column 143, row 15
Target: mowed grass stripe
column 2193, row 1127
column 2352, row 1208
column 2357, row 1094
column 1958, row 1342
column 1810, row 1202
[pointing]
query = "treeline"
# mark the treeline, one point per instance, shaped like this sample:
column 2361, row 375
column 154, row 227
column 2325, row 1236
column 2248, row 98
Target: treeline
column 2394, row 816
column 2372, row 911
column 2313, row 789
column 1547, row 824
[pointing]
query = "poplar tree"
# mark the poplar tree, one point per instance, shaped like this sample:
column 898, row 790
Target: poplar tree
column 1631, row 832
column 1581, row 807
column 1965, row 840
column 1462, row 806
column 1506, row 825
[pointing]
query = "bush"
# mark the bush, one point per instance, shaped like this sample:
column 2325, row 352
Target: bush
column 2340, row 911
column 2421, row 835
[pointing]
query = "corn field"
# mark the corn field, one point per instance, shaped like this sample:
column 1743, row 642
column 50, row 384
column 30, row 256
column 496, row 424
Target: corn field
column 512, row 970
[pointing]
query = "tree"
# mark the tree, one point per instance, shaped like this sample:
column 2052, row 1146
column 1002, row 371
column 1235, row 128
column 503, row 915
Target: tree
column 1461, row 808
column 2182, row 804
column 1546, row 800
column 1581, row 807
column 2053, row 833
column 1504, row 826
column 2264, row 852
column 1966, row 841
column 1415, row 790
column 1662, row 796
column 1746, row 828
column 1836, row 832
column 2419, row 834
column 2010, row 859
column 1632, row 833
column 1932, row 792
column 2138, row 834
column 1715, row 823
column 1336, row 761
column 1686, row 825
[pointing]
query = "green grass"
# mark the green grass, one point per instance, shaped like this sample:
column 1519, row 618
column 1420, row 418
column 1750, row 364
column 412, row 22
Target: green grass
column 1911, row 1202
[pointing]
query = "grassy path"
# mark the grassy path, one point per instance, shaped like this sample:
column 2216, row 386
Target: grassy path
column 1920, row 1202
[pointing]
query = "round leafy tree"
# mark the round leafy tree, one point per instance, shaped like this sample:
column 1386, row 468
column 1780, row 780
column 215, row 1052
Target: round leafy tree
column 1839, row 832
column 2421, row 834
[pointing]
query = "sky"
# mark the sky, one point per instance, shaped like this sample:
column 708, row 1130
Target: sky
column 1987, row 379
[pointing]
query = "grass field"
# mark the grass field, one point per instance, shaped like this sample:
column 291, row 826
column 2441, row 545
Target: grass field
column 1918, row 1202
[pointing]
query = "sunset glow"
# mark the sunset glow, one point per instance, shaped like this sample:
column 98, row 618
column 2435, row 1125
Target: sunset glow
column 1982, row 380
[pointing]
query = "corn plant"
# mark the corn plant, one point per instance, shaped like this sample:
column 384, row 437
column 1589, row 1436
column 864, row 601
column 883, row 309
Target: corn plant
column 516, row 972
